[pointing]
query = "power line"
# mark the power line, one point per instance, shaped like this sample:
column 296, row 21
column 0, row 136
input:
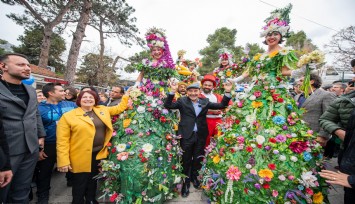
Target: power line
column 302, row 17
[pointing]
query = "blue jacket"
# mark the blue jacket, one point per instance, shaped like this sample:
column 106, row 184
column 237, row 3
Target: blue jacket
column 50, row 114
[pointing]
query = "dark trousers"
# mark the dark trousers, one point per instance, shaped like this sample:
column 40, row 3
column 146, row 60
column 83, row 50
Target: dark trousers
column 22, row 166
column 193, row 150
column 84, row 185
column 44, row 171
column 349, row 196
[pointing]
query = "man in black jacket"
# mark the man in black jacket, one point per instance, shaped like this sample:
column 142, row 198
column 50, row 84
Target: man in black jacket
column 5, row 167
column 193, row 127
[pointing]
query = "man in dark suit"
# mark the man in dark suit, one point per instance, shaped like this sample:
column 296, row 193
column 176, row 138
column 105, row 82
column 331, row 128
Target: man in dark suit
column 193, row 127
column 115, row 96
column 5, row 167
column 22, row 125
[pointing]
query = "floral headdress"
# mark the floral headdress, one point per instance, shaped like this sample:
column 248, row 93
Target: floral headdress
column 225, row 54
column 156, row 38
column 278, row 21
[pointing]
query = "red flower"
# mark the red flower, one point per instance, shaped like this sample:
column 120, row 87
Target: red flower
column 278, row 79
column 162, row 119
column 173, row 167
column 259, row 146
column 113, row 197
column 298, row 146
column 266, row 186
column 237, row 121
column 249, row 149
column 143, row 160
column 246, row 190
column 232, row 150
column 280, row 100
column 113, row 150
column 273, row 113
column 272, row 140
column 109, row 144
column 275, row 96
column 272, row 166
column 149, row 109
column 309, row 191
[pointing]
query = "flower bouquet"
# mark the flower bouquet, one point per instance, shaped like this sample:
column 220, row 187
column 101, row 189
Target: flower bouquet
column 309, row 60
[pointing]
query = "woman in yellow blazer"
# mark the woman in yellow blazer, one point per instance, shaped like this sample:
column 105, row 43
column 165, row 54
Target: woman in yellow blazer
column 82, row 136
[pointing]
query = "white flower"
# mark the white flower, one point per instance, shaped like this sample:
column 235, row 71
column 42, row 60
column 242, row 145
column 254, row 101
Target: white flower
column 177, row 179
column 262, row 57
column 260, row 139
column 248, row 166
column 293, row 134
column 253, row 145
column 308, row 179
column 120, row 147
column 134, row 122
column 250, row 118
column 272, row 132
column 154, row 104
column 282, row 177
column 252, row 97
column 244, row 129
column 294, row 159
column 220, row 74
column 147, row 147
column 158, row 35
column 149, row 98
column 160, row 43
column 141, row 109
column 282, row 158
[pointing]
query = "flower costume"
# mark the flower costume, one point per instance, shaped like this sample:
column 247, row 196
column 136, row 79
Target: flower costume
column 231, row 70
column 265, row 153
column 144, row 161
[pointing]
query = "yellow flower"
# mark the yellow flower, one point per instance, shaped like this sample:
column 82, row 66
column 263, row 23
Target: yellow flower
column 257, row 104
column 266, row 173
column 257, row 56
column 126, row 122
column 176, row 127
column 228, row 73
column 216, row 159
column 318, row 198
column 273, row 54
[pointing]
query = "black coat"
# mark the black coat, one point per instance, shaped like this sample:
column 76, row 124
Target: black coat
column 188, row 115
column 4, row 149
column 347, row 159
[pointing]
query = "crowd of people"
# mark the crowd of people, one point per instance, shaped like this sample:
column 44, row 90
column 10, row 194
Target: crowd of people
column 148, row 143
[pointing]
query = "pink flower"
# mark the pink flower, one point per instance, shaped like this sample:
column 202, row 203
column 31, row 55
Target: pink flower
column 275, row 193
column 253, row 171
column 290, row 177
column 240, row 104
column 233, row 173
column 257, row 94
column 240, row 139
column 310, row 132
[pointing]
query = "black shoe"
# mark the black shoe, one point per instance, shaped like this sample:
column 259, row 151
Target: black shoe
column 185, row 191
column 196, row 184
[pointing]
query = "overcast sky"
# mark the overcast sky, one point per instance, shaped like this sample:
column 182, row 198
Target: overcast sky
column 189, row 22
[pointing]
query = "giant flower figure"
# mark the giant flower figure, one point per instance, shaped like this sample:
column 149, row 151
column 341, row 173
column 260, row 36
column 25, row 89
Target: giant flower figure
column 264, row 152
column 144, row 161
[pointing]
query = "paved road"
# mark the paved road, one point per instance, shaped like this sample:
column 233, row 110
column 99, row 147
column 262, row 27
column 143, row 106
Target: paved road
column 60, row 193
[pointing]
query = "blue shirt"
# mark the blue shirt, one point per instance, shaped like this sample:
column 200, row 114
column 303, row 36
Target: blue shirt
column 50, row 114
column 198, row 109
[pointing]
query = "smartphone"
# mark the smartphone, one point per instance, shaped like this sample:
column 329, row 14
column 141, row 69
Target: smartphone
column 351, row 83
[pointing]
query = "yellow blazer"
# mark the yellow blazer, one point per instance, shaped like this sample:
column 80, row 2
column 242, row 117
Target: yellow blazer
column 75, row 136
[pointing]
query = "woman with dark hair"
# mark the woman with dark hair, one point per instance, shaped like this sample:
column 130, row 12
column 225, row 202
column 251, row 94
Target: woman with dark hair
column 71, row 94
column 82, row 138
column 264, row 152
